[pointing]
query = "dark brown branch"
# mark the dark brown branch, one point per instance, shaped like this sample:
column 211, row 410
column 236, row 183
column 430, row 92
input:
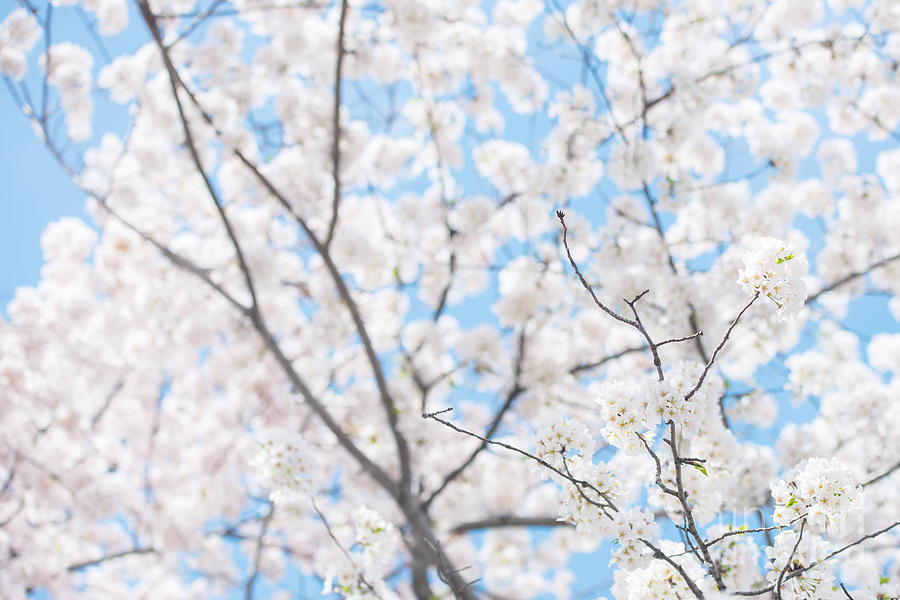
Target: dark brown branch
column 174, row 82
column 859, row 541
column 285, row 363
column 659, row 482
column 657, row 225
column 562, row 219
column 580, row 491
column 97, row 561
column 681, row 339
column 741, row 532
column 340, row 546
column 336, row 127
column 322, row 250
column 176, row 259
column 787, row 565
column 657, row 362
column 509, row 521
column 802, row 570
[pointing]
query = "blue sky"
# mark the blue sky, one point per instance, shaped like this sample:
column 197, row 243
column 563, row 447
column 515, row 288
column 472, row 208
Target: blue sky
column 34, row 192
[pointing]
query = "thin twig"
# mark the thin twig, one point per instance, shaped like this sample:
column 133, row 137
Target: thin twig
column 790, row 559
column 721, row 345
column 540, row 461
column 681, row 339
column 636, row 323
column 852, row 276
column 883, row 475
column 263, row 528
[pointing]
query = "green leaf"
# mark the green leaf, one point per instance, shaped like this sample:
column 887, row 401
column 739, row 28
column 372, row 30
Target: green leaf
column 785, row 259
column 883, row 580
column 701, row 468
column 792, row 502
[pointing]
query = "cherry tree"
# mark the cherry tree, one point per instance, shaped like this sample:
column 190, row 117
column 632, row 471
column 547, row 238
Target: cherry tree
column 422, row 298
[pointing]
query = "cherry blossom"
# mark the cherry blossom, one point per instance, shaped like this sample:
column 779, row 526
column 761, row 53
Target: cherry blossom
column 426, row 299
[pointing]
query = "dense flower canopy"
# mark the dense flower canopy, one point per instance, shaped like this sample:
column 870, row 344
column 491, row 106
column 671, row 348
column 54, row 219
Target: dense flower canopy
column 422, row 298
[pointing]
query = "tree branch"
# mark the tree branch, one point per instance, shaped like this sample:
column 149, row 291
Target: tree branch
column 848, row 278
column 509, row 521
column 336, row 128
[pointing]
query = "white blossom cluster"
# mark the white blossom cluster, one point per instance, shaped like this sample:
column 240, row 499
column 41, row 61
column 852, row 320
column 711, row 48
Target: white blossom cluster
column 557, row 442
column 821, row 491
column 775, row 270
column 68, row 67
column 630, row 408
column 18, row 34
column 581, row 505
column 626, row 407
column 631, row 528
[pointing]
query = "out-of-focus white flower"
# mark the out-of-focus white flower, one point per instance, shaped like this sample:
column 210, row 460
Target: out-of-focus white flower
column 285, row 466
column 18, row 34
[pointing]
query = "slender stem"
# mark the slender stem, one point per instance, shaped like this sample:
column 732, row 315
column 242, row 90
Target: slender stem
column 850, row 277
column 721, row 345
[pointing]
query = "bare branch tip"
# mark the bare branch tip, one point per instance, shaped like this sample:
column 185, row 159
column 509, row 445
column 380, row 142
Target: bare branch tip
column 429, row 415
